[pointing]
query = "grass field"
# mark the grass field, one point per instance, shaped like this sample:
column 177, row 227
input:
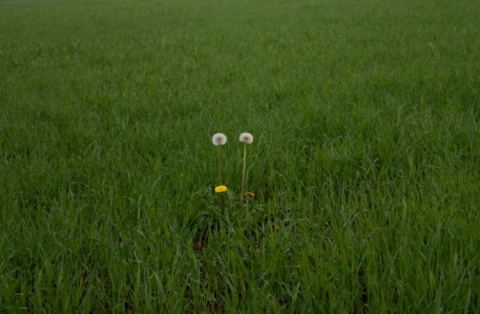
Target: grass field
column 365, row 163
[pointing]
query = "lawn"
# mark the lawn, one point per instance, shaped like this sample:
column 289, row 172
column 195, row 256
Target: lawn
column 365, row 162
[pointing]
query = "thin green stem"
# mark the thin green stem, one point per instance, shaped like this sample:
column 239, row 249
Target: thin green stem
column 219, row 178
column 243, row 173
column 219, row 167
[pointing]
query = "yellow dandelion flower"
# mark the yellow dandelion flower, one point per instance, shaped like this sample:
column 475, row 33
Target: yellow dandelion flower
column 251, row 194
column 221, row 189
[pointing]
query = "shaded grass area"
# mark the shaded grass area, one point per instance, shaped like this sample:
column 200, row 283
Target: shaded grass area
column 365, row 163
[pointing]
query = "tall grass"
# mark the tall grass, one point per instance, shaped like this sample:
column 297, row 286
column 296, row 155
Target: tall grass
column 365, row 164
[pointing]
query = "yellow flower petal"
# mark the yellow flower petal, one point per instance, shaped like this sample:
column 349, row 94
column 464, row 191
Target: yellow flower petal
column 221, row 189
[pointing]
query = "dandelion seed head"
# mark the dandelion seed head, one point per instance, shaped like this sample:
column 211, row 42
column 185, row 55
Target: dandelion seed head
column 219, row 139
column 246, row 138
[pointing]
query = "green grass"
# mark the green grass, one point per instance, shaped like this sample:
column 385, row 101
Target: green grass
column 365, row 164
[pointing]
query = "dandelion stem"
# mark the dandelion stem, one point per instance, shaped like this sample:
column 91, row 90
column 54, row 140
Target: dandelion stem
column 219, row 167
column 243, row 173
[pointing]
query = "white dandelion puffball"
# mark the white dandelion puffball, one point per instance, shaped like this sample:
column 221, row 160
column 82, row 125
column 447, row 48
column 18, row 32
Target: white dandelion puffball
column 246, row 138
column 219, row 139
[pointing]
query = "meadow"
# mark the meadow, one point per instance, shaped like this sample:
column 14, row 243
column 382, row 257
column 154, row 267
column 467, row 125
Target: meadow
column 365, row 162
